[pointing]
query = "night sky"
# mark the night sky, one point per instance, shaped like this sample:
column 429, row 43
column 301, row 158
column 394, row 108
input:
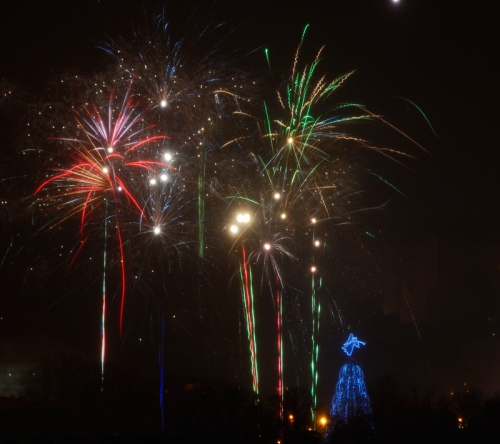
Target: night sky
column 425, row 294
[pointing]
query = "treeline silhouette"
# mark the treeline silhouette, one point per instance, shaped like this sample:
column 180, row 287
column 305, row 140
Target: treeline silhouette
column 64, row 403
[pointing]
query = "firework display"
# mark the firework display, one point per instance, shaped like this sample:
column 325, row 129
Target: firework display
column 167, row 161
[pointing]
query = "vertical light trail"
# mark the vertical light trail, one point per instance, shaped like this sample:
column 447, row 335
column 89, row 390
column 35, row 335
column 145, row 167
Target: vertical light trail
column 161, row 359
column 247, row 296
column 279, row 307
column 315, row 317
column 122, row 264
column 201, row 210
column 103, row 318
column 313, row 354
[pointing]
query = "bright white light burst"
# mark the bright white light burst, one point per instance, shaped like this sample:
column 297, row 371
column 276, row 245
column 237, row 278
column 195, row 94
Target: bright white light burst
column 243, row 218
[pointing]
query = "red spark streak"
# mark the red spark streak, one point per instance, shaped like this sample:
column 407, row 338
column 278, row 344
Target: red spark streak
column 249, row 316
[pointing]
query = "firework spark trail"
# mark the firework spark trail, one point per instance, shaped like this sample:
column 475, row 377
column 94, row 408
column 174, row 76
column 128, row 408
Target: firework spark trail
column 279, row 327
column 407, row 300
column 298, row 181
column 165, row 103
column 247, row 294
column 315, row 317
column 161, row 359
column 103, row 316
column 102, row 169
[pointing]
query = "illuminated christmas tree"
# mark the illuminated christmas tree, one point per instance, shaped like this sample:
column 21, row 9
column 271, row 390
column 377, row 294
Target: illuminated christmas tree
column 351, row 412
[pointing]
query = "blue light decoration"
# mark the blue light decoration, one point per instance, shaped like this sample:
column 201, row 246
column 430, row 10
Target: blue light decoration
column 350, row 399
column 352, row 342
column 351, row 410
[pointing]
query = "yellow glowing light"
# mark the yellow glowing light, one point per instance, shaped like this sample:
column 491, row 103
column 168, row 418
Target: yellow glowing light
column 313, row 220
column 233, row 229
column 243, row 218
column 267, row 246
column 105, row 170
column 290, row 140
column 277, row 196
column 313, row 269
column 323, row 420
column 317, row 243
column 283, row 216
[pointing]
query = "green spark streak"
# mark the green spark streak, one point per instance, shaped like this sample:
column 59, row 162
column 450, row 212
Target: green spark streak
column 386, row 182
column 423, row 114
column 315, row 315
column 266, row 51
column 269, row 130
column 313, row 354
column 371, row 235
column 250, row 323
column 304, row 33
column 243, row 198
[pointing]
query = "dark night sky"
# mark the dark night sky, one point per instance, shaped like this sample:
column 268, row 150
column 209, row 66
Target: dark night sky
column 444, row 246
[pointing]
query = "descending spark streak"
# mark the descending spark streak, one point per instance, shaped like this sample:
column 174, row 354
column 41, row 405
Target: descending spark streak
column 247, row 293
column 315, row 317
column 201, row 210
column 122, row 266
column 103, row 318
column 279, row 325
column 161, row 359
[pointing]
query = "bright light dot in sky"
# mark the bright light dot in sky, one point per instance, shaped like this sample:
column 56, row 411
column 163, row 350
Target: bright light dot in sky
column 317, row 243
column 313, row 269
column 243, row 218
column 110, row 149
column 233, row 229
column 152, row 181
column 168, row 157
column 105, row 170
column 395, row 1
column 313, row 220
column 163, row 177
column 277, row 196
column 283, row 216
column 163, row 103
column 290, row 140
column 120, row 188
column 267, row 246
column 157, row 230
